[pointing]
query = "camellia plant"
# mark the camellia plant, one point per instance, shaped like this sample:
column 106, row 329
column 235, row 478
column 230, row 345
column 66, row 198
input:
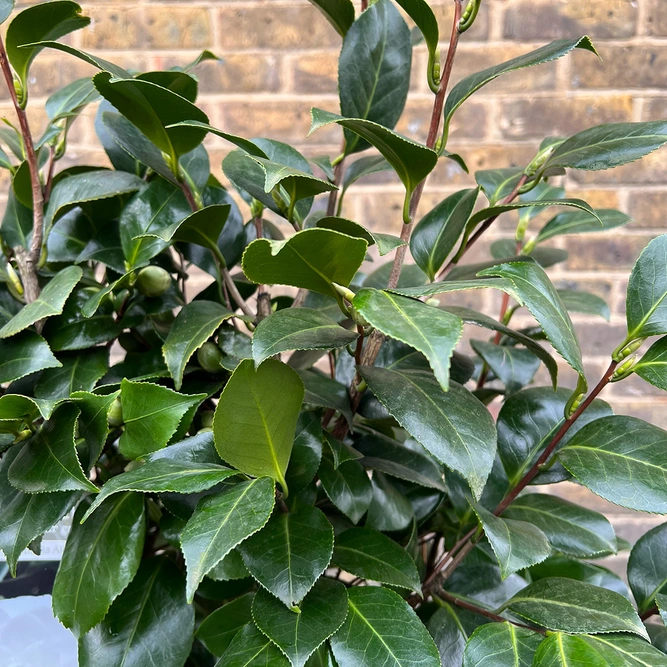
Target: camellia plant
column 315, row 479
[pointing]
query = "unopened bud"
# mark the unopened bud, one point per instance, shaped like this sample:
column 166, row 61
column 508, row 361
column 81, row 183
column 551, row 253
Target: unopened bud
column 153, row 281
column 209, row 357
column 115, row 414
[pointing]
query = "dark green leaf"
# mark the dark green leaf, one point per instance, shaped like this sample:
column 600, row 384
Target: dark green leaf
column 193, row 326
column 374, row 69
column 151, row 415
column 364, row 166
column 323, row 391
column 347, row 486
column 312, row 259
column 513, row 366
column 584, row 302
column 16, row 411
column 70, row 99
column 246, row 145
column 48, row 461
column 450, row 627
column 382, row 629
column 516, row 544
column 95, row 61
column 50, row 302
column 464, row 89
column 501, row 645
column 652, row 367
column 298, row 329
column 150, row 622
column 453, row 426
column 340, row 13
column 256, row 418
column 369, row 554
column 250, row 648
column 17, row 222
column 385, row 242
column 498, row 183
column 434, row 332
column 219, row 628
column 622, row 459
column 422, row 14
column 571, row 529
column 221, row 522
column 99, row 561
column 78, row 373
column 306, row 452
column 437, row 232
column 390, row 510
column 647, row 567
column 290, row 553
column 567, row 605
column 298, row 634
column 608, row 146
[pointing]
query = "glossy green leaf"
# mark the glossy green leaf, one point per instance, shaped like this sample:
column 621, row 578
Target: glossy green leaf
column 561, row 650
column 608, row 146
column 16, row 224
column 164, row 475
column 661, row 600
column 152, row 109
column 646, row 305
column 99, row 561
column 48, row 461
column 306, row 452
column 340, row 13
column 323, row 391
column 347, row 486
column 436, row 234
column 464, row 89
column 16, row 411
column 363, row 166
column 422, row 14
column 532, row 287
column 290, row 553
column 50, row 302
column 40, row 22
column 70, row 99
column 393, row 458
column 89, row 58
column 219, row 628
column 453, row 426
column 571, row 529
column 385, row 242
column 572, row 606
column 411, row 161
column 497, row 184
column 501, row 645
column 312, row 259
column 369, row 554
column 528, row 421
column 193, row 326
column 516, row 544
column 382, row 629
column 298, row 634
column 250, row 648
column 374, row 70
column 652, row 367
column 221, row 522
column 23, row 516
column 79, row 372
column 622, row 459
column 298, row 329
column 256, row 418
column 432, row 331
column 450, row 628
column 390, row 510
column 248, row 146
column 151, row 415
column 151, row 621
column 584, row 302
column 513, row 366
column 647, row 568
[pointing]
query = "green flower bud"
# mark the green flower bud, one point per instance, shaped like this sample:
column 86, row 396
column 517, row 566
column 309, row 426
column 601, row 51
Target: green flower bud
column 210, row 357
column 153, row 281
column 115, row 414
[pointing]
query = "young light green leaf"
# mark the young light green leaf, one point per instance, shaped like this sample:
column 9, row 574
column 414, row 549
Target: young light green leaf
column 437, row 232
column 652, row 367
column 340, row 13
column 151, row 621
column 298, row 329
column 570, row 528
column 217, row 630
column 501, row 645
column 312, row 259
column 221, row 522
column 453, row 426
column 151, row 415
column 374, row 70
column 516, row 544
column 290, row 553
column 513, row 366
column 48, row 461
column 99, row 561
column 193, row 326
column 411, row 161
column 622, row 459
column 432, row 331
column 382, row 629
column 608, row 146
column 369, row 554
column 464, row 89
column 572, row 606
column 164, row 475
column 51, row 301
column 298, row 635
column 647, row 569
column 256, row 418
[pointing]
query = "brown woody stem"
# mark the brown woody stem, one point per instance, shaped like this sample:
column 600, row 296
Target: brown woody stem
column 263, row 296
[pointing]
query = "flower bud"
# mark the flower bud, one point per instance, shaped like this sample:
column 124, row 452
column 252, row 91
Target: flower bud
column 115, row 414
column 210, row 357
column 153, row 281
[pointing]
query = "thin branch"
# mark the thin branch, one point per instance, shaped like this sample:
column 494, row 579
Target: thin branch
column 447, row 557
column 333, row 195
column 28, row 262
column 263, row 296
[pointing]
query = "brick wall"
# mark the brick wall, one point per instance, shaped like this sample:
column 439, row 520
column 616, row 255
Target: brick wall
column 280, row 59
